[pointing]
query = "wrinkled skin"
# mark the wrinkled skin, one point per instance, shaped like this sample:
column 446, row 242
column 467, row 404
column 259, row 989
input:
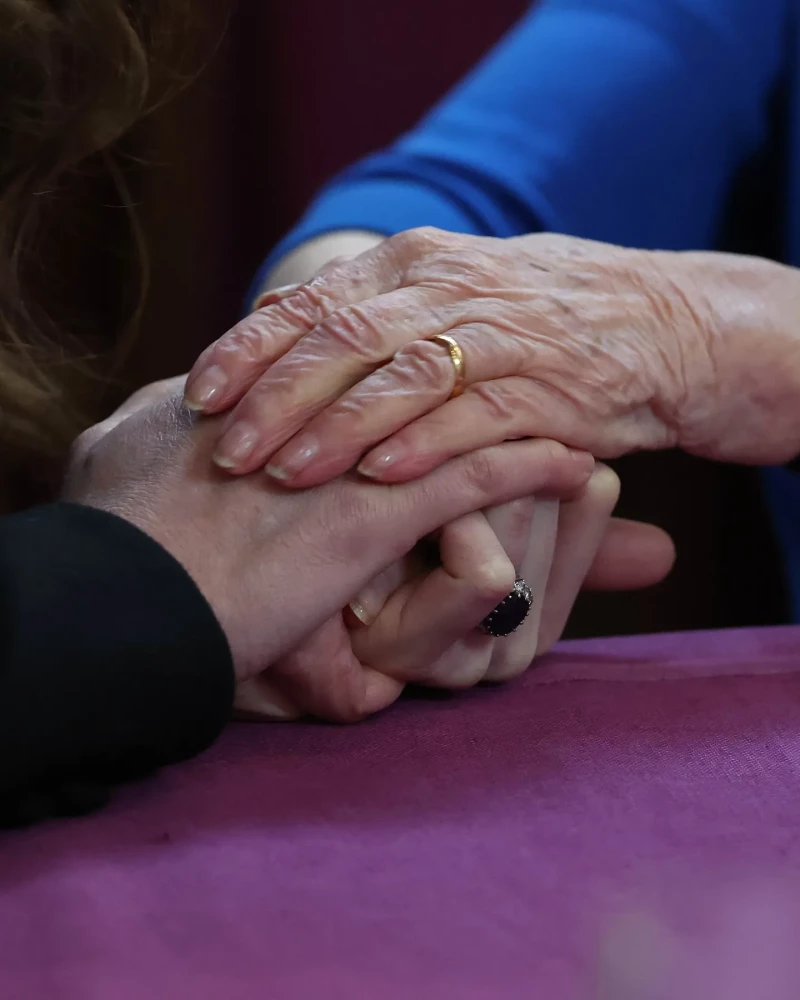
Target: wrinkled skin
column 603, row 348
column 145, row 463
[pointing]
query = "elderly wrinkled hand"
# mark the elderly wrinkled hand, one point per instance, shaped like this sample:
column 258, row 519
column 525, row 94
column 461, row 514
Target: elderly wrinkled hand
column 603, row 348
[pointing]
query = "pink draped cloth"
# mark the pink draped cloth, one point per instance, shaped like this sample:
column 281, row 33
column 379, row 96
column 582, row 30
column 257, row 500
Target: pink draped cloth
column 498, row 844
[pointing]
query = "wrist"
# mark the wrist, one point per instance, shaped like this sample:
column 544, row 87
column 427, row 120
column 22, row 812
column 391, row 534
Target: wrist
column 741, row 399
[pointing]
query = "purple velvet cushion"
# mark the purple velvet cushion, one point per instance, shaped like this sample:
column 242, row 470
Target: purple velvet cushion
column 470, row 848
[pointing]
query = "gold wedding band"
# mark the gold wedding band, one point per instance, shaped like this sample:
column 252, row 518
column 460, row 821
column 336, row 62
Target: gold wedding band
column 456, row 356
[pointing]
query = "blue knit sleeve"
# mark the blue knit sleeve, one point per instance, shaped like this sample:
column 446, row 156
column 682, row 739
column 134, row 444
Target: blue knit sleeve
column 617, row 120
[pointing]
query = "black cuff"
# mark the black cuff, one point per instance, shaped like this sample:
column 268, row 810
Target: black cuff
column 111, row 661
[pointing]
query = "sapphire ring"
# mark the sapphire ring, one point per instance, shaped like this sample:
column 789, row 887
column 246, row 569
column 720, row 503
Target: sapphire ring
column 509, row 613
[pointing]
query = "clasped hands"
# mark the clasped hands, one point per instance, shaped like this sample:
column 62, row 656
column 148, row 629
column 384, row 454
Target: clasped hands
column 423, row 560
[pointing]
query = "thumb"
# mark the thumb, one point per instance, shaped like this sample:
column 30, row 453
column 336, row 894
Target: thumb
column 632, row 555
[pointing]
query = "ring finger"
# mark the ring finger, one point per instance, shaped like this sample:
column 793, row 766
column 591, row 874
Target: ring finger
column 419, row 378
column 513, row 654
column 427, row 618
column 512, row 524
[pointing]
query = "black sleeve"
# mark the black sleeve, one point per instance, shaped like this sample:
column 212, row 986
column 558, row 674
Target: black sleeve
column 111, row 661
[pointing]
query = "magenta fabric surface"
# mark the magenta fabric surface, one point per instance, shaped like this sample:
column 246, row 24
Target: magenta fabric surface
column 476, row 847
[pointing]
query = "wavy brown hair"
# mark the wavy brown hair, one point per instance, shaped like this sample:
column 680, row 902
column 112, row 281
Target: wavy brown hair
column 75, row 76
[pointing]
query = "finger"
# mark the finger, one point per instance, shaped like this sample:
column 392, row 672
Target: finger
column 325, row 679
column 259, row 699
column 425, row 618
column 514, row 653
column 469, row 657
column 274, row 295
column 371, row 599
column 345, row 348
column 631, row 556
column 512, row 523
column 230, row 366
column 583, row 524
column 462, row 665
column 472, row 482
column 361, row 528
column 501, row 410
column 532, row 552
column 339, row 426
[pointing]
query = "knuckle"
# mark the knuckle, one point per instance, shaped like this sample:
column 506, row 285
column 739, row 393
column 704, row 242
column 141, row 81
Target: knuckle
column 356, row 332
column 406, row 506
column 497, row 401
column 345, row 708
column 422, row 364
column 512, row 523
column 350, row 712
column 307, row 303
column 260, row 336
column 492, row 582
column 350, row 517
column 420, row 239
column 480, row 473
column 252, row 340
column 520, row 515
column 457, row 670
column 359, row 509
column 348, row 702
column 463, row 676
column 513, row 663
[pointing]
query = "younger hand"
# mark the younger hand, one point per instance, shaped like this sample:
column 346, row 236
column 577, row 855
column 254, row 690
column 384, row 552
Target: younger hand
column 275, row 565
column 348, row 669
column 342, row 673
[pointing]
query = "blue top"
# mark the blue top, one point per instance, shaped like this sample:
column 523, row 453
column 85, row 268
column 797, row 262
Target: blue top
column 615, row 120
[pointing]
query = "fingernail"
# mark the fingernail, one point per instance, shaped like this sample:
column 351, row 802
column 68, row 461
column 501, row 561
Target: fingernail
column 280, row 713
column 236, row 445
column 375, row 465
column 266, row 709
column 583, row 459
column 205, row 388
column 361, row 613
column 274, row 295
column 290, row 462
column 258, row 700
